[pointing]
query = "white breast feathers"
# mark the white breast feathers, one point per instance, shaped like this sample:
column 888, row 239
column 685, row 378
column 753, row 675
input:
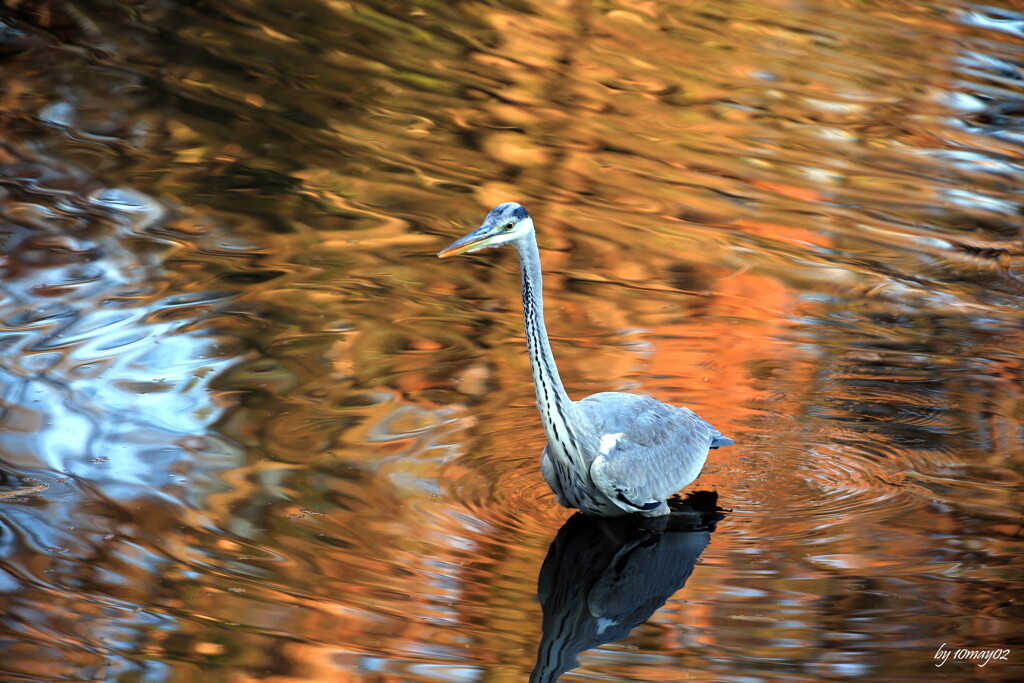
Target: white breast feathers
column 608, row 442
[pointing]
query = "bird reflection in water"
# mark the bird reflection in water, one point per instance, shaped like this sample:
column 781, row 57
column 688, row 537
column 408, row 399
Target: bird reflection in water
column 604, row 576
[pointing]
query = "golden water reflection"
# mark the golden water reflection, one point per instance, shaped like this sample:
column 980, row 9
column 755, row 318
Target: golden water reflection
column 253, row 429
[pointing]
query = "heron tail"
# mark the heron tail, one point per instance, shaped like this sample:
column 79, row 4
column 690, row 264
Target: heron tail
column 721, row 440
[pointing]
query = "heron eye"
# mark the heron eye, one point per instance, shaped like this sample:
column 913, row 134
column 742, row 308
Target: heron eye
column 509, row 226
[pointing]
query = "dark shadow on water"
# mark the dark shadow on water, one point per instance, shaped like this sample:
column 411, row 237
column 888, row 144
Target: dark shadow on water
column 604, row 576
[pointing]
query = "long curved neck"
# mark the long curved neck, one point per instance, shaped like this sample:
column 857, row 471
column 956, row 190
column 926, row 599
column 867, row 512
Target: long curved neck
column 556, row 410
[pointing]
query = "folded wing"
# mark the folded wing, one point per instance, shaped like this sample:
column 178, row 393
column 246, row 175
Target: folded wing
column 648, row 450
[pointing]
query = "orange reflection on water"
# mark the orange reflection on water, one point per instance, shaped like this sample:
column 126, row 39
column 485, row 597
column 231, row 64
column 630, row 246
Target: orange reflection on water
column 253, row 429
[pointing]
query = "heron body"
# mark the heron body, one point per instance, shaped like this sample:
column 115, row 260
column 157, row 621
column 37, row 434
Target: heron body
column 611, row 453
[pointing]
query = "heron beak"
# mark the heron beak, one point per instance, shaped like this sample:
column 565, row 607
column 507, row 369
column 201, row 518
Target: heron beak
column 477, row 239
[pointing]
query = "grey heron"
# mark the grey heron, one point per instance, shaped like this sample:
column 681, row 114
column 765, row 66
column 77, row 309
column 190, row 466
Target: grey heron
column 608, row 454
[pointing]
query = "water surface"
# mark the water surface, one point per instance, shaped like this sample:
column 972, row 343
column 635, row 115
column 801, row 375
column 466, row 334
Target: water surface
column 253, row 429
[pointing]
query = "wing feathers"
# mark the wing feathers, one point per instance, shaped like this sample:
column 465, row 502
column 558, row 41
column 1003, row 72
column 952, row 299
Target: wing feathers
column 649, row 450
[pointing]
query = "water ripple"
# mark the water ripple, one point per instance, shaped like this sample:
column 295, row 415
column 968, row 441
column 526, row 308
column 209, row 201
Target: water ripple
column 251, row 424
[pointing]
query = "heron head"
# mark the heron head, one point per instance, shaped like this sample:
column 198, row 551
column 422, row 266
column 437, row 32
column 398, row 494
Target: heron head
column 505, row 223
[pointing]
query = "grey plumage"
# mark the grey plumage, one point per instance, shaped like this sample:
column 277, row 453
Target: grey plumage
column 611, row 453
